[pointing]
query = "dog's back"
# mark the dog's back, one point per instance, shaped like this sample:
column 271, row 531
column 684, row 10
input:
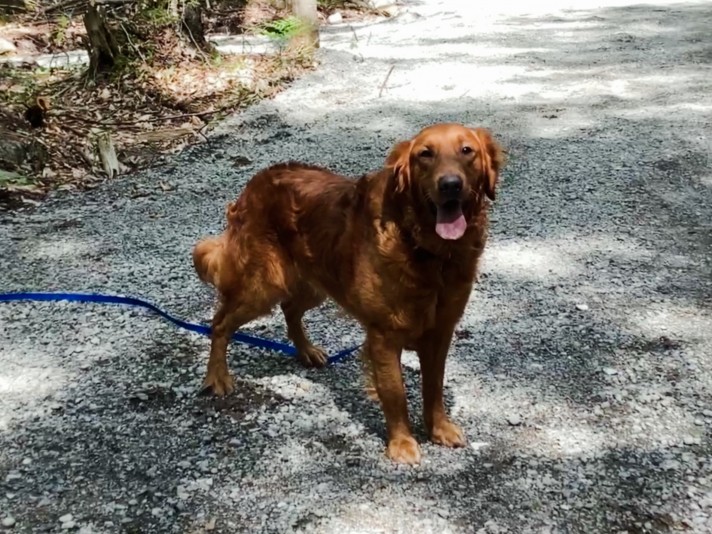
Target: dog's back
column 280, row 204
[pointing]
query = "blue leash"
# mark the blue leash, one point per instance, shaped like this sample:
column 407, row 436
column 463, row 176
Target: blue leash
column 254, row 341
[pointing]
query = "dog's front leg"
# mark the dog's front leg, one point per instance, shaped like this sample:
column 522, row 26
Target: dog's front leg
column 218, row 381
column 432, row 353
column 384, row 351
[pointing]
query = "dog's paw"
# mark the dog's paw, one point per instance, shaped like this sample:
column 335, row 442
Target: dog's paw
column 404, row 450
column 217, row 385
column 448, row 434
column 313, row 357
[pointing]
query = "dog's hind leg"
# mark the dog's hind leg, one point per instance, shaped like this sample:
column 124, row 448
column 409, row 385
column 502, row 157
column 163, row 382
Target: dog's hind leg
column 302, row 299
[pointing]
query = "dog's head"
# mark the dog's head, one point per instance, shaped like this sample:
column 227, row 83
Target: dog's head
column 450, row 167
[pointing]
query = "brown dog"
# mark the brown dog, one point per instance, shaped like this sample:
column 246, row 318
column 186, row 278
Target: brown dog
column 397, row 249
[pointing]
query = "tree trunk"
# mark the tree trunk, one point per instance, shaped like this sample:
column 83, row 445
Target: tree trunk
column 192, row 24
column 104, row 50
column 306, row 12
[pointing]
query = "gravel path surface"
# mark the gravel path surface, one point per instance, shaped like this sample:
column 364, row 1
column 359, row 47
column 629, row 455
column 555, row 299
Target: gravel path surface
column 582, row 372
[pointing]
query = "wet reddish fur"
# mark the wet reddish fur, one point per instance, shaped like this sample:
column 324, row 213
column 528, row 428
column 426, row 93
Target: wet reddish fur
column 299, row 233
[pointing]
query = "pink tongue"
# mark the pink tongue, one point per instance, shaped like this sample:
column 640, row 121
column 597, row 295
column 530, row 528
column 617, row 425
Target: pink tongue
column 451, row 225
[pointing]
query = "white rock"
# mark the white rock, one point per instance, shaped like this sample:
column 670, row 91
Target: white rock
column 335, row 18
column 514, row 420
column 66, row 518
column 582, row 307
column 8, row 521
column 690, row 440
column 6, row 47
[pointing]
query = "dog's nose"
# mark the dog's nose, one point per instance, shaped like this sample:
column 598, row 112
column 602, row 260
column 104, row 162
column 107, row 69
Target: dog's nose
column 450, row 185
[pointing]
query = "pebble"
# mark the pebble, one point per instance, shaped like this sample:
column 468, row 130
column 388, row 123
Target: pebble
column 335, row 18
column 66, row 518
column 514, row 420
column 8, row 521
column 6, row 47
column 582, row 307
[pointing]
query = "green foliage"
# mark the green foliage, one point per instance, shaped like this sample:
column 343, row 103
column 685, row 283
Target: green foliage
column 59, row 33
column 158, row 16
column 282, row 29
column 8, row 178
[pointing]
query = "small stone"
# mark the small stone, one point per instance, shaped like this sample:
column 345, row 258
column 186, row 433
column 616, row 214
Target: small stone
column 27, row 461
column 204, row 483
column 335, row 18
column 6, row 47
column 8, row 521
column 514, row 420
column 66, row 518
column 478, row 445
column 210, row 525
column 610, row 371
column 582, row 307
column 68, row 525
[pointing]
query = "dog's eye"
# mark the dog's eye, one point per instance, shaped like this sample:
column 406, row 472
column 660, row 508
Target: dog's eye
column 466, row 150
column 426, row 153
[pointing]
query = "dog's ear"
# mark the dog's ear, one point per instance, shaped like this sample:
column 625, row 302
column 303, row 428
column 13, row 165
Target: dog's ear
column 399, row 160
column 492, row 159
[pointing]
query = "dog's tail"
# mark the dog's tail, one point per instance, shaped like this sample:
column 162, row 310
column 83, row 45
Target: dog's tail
column 207, row 259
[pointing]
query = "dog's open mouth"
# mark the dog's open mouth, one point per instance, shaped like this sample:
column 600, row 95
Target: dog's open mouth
column 450, row 222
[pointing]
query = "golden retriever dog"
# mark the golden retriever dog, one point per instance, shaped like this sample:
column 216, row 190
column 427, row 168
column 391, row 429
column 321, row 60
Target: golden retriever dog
column 397, row 249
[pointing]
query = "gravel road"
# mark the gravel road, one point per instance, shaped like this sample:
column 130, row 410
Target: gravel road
column 581, row 373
